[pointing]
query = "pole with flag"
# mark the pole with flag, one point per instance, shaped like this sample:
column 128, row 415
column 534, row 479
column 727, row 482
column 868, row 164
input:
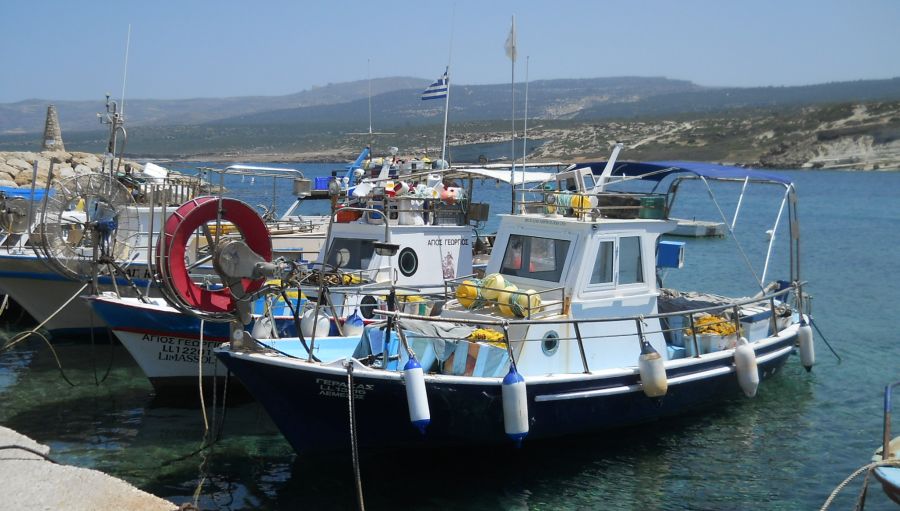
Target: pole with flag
column 511, row 53
column 440, row 89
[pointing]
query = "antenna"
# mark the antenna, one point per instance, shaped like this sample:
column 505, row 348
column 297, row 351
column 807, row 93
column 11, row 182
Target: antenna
column 370, row 133
column 125, row 72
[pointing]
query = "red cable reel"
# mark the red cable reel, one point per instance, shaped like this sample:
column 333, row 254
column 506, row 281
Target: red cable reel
column 179, row 228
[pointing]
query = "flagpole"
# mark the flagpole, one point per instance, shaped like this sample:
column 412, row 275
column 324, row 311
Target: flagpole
column 512, row 88
column 446, row 111
column 447, row 99
column 525, row 130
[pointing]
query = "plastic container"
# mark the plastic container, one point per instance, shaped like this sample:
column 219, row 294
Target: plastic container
column 653, row 208
column 322, row 182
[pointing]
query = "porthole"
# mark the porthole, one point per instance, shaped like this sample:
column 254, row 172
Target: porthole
column 367, row 306
column 550, row 343
column 408, row 262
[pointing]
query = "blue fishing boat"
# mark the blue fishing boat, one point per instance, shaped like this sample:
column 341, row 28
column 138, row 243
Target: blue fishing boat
column 570, row 332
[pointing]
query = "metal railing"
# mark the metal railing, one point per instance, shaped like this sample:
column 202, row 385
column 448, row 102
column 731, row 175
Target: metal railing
column 781, row 318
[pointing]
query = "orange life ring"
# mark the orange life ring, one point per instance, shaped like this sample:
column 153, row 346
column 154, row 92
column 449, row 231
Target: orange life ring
column 178, row 230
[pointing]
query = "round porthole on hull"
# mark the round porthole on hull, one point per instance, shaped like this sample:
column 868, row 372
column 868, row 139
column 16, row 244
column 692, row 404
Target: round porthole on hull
column 367, row 306
column 550, row 342
column 408, row 262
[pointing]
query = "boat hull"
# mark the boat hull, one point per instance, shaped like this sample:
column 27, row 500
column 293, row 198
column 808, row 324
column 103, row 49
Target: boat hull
column 889, row 477
column 164, row 342
column 309, row 402
column 42, row 292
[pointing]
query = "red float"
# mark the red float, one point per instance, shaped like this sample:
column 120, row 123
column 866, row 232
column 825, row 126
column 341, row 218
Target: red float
column 179, row 228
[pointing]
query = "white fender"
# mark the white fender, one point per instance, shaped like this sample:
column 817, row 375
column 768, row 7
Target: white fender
column 515, row 406
column 353, row 325
column 416, row 396
column 807, row 345
column 321, row 324
column 652, row 369
column 745, row 367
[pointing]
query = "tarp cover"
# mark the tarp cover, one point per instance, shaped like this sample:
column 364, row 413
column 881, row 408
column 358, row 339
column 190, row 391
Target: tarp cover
column 707, row 170
column 39, row 192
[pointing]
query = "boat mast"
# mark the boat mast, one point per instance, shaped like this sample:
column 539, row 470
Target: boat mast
column 511, row 53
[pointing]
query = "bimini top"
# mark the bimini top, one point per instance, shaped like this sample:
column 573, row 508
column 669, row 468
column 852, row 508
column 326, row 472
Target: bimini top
column 658, row 170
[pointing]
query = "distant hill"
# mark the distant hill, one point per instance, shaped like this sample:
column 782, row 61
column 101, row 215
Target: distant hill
column 547, row 99
column 583, row 100
column 28, row 116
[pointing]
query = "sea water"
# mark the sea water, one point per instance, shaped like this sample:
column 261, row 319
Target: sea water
column 785, row 449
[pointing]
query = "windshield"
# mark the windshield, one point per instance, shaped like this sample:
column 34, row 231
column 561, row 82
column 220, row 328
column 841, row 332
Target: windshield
column 535, row 258
column 350, row 253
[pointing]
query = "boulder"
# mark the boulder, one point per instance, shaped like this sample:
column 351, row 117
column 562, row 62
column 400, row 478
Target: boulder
column 27, row 156
column 56, row 156
column 8, row 183
column 64, row 172
column 82, row 169
column 18, row 163
column 89, row 160
column 24, row 178
column 7, row 169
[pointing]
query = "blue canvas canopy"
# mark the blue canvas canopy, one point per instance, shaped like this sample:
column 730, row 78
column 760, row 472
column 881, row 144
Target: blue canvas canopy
column 658, row 170
column 25, row 193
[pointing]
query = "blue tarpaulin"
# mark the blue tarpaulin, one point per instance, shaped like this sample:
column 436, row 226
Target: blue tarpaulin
column 707, row 170
column 39, row 192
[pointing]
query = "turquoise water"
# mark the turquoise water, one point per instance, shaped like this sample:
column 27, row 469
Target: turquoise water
column 785, row 449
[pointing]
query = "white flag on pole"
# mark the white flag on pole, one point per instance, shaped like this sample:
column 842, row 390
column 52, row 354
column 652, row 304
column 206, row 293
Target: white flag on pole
column 511, row 42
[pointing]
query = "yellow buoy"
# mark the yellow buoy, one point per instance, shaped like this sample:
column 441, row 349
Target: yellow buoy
column 467, row 293
column 492, row 285
column 526, row 303
column 505, row 298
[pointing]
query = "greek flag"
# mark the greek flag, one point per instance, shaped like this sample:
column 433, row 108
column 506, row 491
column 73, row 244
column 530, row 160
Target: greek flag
column 438, row 89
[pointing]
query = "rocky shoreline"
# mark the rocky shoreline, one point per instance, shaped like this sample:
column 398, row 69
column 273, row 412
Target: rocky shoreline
column 18, row 168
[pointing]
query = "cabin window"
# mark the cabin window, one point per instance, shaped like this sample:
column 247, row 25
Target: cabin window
column 603, row 266
column 588, row 182
column 359, row 251
column 630, row 267
column 535, row 258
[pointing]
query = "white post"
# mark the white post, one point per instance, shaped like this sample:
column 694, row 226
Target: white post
column 511, row 53
column 446, row 112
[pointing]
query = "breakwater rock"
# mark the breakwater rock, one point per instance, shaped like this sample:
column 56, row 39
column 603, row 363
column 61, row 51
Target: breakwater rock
column 17, row 168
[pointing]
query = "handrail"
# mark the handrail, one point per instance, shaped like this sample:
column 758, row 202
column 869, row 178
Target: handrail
column 512, row 322
column 256, row 171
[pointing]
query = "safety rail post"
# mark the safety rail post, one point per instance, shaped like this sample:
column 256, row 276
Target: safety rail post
column 737, row 321
column 774, row 319
column 694, row 335
column 581, row 348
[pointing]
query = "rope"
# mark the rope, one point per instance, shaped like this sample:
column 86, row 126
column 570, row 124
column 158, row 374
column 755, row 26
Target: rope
column 814, row 325
column 200, row 381
column 860, row 470
column 30, row 450
column 24, row 335
column 354, row 449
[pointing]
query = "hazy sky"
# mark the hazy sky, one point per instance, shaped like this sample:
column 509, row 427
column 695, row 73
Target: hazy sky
column 74, row 49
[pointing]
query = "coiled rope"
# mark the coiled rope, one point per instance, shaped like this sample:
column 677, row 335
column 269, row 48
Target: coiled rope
column 865, row 468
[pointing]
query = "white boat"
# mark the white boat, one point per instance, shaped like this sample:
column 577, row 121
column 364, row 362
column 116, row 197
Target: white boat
column 46, row 267
column 698, row 228
column 570, row 333
column 433, row 236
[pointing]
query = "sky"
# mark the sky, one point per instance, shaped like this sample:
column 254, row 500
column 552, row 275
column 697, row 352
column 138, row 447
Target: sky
column 75, row 49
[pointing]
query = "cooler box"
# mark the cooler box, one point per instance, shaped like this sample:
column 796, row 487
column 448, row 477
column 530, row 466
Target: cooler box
column 756, row 322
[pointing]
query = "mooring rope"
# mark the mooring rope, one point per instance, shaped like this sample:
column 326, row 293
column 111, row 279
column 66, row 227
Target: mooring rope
column 860, row 470
column 353, row 440
column 200, row 382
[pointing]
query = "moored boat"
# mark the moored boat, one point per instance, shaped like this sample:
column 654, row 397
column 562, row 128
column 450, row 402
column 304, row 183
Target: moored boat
column 570, row 333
